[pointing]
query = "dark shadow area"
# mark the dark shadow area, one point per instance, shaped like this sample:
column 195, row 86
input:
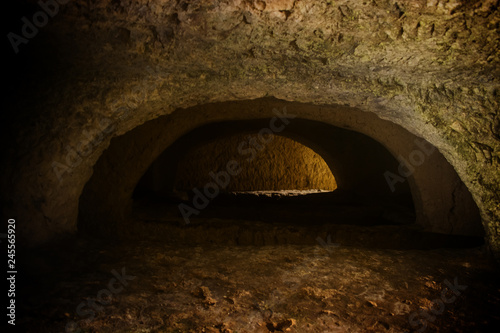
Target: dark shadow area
column 292, row 217
column 295, row 207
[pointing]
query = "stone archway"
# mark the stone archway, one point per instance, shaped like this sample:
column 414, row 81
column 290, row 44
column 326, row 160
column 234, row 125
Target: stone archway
column 435, row 187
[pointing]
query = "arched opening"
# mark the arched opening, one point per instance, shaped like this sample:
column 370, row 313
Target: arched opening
column 385, row 184
column 273, row 163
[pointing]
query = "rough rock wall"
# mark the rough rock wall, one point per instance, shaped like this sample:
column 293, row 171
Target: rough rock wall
column 101, row 68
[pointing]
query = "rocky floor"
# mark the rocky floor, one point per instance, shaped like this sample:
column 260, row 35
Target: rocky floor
column 89, row 285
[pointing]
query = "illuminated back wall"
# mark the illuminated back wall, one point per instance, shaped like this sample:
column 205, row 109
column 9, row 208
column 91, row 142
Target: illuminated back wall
column 265, row 162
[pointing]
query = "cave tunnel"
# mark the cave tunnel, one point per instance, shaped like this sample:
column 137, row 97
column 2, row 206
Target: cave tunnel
column 251, row 166
column 320, row 179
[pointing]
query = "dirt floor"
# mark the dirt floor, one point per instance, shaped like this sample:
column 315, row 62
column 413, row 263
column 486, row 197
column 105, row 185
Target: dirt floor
column 282, row 288
column 218, row 274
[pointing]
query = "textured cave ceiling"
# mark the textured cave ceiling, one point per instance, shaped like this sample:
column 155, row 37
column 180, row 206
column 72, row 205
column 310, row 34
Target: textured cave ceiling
column 101, row 68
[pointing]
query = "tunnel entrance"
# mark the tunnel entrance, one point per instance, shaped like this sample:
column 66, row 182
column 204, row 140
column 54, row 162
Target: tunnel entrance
column 291, row 180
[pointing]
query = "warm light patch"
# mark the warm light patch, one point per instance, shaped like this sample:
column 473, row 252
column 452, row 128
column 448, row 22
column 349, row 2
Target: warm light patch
column 268, row 163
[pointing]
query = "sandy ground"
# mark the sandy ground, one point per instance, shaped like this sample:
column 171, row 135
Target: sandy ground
column 89, row 285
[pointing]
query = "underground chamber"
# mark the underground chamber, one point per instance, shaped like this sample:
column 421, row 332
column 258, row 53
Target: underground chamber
column 370, row 202
column 256, row 223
